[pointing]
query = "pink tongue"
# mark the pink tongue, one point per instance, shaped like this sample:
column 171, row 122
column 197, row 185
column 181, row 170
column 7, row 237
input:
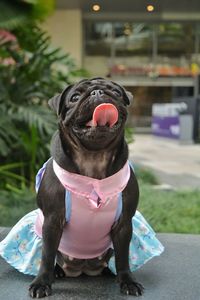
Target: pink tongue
column 103, row 114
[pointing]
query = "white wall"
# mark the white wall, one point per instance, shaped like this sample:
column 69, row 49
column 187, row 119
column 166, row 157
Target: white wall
column 65, row 29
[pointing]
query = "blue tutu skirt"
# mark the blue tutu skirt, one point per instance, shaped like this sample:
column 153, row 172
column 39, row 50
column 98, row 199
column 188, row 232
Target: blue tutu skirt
column 22, row 248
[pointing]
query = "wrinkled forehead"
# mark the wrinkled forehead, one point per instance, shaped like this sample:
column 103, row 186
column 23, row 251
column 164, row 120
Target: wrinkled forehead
column 97, row 83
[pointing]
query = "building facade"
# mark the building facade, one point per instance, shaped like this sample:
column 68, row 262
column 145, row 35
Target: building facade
column 140, row 44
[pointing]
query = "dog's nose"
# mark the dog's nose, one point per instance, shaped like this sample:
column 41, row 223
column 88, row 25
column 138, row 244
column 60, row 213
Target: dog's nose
column 97, row 93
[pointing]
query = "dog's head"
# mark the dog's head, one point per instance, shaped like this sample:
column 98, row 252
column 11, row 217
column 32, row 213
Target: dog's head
column 92, row 111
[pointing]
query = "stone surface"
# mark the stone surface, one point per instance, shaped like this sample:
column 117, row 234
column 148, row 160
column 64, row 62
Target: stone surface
column 174, row 164
column 172, row 276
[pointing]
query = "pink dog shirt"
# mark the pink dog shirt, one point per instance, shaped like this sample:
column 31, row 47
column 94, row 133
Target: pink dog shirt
column 92, row 207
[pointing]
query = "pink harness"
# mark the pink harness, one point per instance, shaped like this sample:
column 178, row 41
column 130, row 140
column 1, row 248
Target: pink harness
column 91, row 210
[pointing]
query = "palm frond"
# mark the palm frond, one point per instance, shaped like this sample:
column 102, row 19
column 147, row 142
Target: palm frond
column 17, row 13
column 40, row 117
column 13, row 14
column 8, row 134
column 11, row 166
column 26, row 122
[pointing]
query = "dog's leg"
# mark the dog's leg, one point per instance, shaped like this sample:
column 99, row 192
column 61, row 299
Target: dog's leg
column 121, row 236
column 58, row 272
column 50, row 199
column 52, row 231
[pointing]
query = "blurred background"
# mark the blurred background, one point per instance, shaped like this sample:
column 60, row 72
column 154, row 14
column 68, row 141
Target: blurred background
column 150, row 47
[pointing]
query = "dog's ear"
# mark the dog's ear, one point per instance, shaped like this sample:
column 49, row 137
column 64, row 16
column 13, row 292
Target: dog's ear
column 129, row 97
column 57, row 101
column 54, row 103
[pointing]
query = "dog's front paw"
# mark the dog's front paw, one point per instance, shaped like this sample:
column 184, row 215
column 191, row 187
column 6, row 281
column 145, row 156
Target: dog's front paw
column 40, row 288
column 129, row 286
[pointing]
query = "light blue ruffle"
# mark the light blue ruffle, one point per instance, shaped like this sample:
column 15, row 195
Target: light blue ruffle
column 22, row 248
column 143, row 246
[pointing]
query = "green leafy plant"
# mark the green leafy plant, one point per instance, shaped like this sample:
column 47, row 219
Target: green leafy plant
column 14, row 204
column 15, row 13
column 129, row 134
column 31, row 73
column 146, row 176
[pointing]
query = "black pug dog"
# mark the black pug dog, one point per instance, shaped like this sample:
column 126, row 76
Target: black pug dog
column 94, row 150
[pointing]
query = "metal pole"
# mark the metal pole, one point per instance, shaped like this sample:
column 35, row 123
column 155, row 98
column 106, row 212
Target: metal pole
column 154, row 44
column 112, row 48
column 196, row 41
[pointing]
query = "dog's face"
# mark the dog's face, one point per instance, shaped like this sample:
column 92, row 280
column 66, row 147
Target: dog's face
column 92, row 111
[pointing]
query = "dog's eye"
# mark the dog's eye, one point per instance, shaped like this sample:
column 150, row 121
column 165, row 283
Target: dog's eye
column 117, row 92
column 75, row 97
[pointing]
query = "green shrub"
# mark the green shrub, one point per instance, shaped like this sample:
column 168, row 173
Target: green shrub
column 31, row 73
column 145, row 176
column 15, row 204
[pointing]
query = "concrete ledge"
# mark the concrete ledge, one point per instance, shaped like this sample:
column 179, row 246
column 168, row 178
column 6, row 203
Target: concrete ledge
column 175, row 275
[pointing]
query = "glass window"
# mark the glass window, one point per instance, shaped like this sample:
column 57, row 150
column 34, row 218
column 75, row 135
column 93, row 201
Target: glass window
column 175, row 39
column 98, row 38
column 132, row 39
column 126, row 38
column 147, row 49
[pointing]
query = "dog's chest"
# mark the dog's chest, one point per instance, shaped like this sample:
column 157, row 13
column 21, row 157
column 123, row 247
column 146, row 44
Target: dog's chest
column 93, row 165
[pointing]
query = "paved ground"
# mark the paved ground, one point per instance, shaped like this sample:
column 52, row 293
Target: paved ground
column 172, row 276
column 175, row 164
